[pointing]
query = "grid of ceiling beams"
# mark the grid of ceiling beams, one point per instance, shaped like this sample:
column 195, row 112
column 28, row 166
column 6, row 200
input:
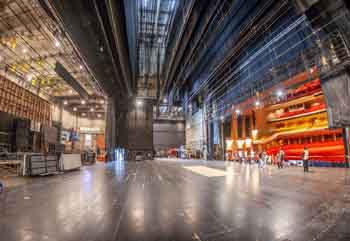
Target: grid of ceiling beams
column 154, row 19
column 31, row 44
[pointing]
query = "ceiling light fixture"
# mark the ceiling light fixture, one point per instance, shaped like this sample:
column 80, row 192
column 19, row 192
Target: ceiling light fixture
column 92, row 109
column 257, row 103
column 139, row 102
column 80, row 67
column 65, row 102
column 83, row 102
column 75, row 109
column 102, row 102
column 238, row 111
column 57, row 43
column 24, row 50
column 279, row 93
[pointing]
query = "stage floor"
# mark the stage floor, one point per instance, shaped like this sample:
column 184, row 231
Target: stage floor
column 179, row 200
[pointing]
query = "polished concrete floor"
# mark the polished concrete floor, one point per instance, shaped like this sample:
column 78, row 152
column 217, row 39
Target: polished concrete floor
column 173, row 200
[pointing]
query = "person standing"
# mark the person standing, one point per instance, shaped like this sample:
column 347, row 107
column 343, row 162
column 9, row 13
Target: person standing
column 280, row 158
column 306, row 159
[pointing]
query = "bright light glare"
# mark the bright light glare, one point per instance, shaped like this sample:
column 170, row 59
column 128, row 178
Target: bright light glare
column 279, row 93
column 57, row 43
column 139, row 102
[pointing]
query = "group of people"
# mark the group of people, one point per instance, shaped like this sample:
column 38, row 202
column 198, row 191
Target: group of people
column 304, row 157
column 281, row 162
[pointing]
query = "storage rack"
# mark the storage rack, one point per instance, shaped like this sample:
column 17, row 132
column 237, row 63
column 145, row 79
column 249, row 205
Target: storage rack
column 20, row 102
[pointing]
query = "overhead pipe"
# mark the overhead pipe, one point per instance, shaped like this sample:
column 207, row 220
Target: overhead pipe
column 197, row 39
column 114, row 11
column 193, row 22
column 246, row 34
column 182, row 31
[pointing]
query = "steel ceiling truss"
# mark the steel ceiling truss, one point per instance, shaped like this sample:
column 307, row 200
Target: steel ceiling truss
column 154, row 18
column 31, row 44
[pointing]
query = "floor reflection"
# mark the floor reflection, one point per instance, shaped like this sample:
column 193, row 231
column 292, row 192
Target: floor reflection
column 160, row 200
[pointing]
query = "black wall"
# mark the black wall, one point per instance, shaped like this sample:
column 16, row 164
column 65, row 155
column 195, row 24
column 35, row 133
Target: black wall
column 168, row 134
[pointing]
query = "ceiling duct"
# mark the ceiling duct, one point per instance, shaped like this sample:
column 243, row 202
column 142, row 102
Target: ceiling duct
column 70, row 80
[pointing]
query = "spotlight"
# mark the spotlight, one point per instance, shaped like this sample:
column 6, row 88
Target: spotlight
column 102, row 102
column 165, row 101
column 75, row 109
column 279, row 93
column 92, row 109
column 83, row 102
column 80, row 67
column 139, row 102
column 257, row 103
column 65, row 102
column 24, row 50
column 237, row 111
column 29, row 77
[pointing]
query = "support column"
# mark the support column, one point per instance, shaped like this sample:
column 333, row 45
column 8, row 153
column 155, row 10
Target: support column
column 346, row 145
column 222, row 139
